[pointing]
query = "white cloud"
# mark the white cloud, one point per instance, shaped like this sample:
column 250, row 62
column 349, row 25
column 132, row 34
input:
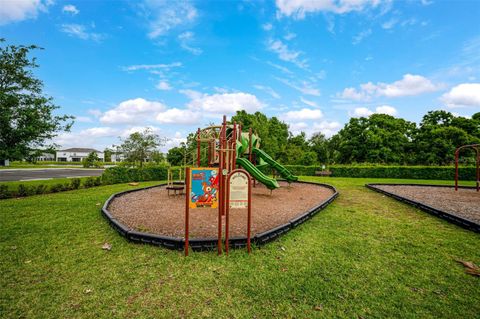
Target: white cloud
column 96, row 137
column 308, row 102
column 19, row 10
column 267, row 90
column 149, row 67
column 132, row 111
column 95, row 112
column 409, row 85
column 178, row 116
column 164, row 16
column 360, row 36
column 302, row 115
column 185, row 39
column 134, row 129
column 81, row 32
column 328, row 128
column 267, row 26
column 386, row 109
column 299, row 8
column 365, row 112
column 280, row 67
column 465, row 94
column 164, row 86
column 83, row 119
column 285, row 54
column 362, row 112
column 305, row 87
column 389, row 24
column 70, row 8
column 289, row 36
column 225, row 103
column 174, row 141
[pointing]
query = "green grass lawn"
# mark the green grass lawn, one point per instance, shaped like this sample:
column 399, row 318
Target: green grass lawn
column 364, row 256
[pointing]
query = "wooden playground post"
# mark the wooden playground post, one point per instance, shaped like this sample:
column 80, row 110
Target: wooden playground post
column 187, row 207
column 198, row 147
column 234, row 145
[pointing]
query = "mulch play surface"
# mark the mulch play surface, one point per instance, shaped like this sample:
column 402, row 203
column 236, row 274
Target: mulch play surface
column 153, row 211
column 464, row 203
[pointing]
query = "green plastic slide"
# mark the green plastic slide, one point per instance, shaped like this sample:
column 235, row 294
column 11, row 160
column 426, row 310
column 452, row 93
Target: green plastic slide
column 285, row 173
column 271, row 183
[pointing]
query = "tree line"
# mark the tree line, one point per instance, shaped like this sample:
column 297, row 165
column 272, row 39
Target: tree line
column 379, row 138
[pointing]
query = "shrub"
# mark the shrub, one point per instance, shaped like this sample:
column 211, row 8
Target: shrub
column 381, row 171
column 25, row 190
column 89, row 182
column 55, row 188
column 66, row 187
column 75, row 183
column 115, row 175
column 98, row 164
column 41, row 189
column 5, row 192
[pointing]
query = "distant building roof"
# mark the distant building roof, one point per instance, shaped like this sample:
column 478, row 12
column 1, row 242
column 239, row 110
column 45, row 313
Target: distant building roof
column 80, row 150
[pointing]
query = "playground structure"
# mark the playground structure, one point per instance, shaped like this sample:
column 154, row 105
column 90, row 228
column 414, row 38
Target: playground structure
column 457, row 154
column 220, row 197
column 227, row 147
column 175, row 185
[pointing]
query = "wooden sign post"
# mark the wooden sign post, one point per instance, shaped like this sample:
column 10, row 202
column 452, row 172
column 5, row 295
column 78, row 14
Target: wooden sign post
column 239, row 195
column 201, row 192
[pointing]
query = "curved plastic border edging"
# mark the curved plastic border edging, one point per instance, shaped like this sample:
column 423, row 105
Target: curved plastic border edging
column 462, row 222
column 199, row 244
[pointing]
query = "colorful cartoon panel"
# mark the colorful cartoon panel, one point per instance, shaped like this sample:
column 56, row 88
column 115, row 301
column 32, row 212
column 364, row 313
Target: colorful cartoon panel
column 204, row 187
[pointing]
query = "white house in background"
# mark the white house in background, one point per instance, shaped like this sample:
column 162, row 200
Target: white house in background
column 117, row 157
column 77, row 154
column 46, row 157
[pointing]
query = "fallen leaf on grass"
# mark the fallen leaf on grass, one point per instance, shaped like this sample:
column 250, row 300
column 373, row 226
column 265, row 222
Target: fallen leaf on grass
column 470, row 267
column 318, row 308
column 133, row 184
column 107, row 246
column 98, row 204
column 282, row 248
column 88, row 291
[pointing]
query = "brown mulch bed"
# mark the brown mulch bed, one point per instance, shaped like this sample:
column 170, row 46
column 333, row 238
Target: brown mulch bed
column 464, row 203
column 153, row 211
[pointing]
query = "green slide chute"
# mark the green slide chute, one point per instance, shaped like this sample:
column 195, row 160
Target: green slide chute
column 271, row 183
column 285, row 173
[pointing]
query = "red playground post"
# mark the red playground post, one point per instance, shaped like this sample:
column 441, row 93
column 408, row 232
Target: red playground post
column 187, row 207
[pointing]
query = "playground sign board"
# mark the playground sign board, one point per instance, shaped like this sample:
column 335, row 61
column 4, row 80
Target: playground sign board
column 238, row 190
column 203, row 187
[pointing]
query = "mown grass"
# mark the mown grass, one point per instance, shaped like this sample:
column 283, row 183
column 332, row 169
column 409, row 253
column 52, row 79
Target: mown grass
column 365, row 256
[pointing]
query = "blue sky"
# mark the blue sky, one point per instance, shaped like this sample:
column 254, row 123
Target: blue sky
column 178, row 65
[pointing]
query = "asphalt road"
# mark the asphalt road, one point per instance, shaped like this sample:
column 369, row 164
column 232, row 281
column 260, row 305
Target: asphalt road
column 7, row 175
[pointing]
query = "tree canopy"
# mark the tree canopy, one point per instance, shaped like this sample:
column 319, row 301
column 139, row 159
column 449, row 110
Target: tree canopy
column 379, row 138
column 27, row 116
column 140, row 146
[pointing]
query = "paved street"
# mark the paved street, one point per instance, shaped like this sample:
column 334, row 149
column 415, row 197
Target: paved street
column 46, row 173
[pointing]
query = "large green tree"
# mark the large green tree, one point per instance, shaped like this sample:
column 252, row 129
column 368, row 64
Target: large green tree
column 272, row 132
column 379, row 138
column 27, row 116
column 440, row 133
column 140, row 146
